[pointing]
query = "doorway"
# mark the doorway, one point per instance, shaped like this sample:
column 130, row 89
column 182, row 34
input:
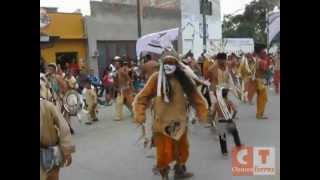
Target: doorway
column 66, row 57
column 109, row 49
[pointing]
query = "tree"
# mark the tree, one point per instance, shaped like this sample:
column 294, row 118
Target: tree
column 252, row 23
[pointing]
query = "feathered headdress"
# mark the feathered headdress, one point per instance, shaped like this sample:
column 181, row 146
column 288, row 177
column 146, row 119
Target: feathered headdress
column 218, row 47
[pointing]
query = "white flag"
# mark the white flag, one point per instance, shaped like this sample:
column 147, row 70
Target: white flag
column 156, row 42
column 273, row 25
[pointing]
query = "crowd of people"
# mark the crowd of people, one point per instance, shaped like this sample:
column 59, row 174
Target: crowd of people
column 172, row 89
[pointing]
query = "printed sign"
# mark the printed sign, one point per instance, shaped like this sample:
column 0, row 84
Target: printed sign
column 250, row 161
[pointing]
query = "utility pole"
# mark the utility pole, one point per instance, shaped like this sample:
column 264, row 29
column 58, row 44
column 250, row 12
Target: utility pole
column 204, row 25
column 267, row 19
column 139, row 18
column 205, row 9
column 139, row 26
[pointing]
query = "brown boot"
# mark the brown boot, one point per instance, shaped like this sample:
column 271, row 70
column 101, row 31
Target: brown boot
column 165, row 173
column 180, row 172
column 155, row 170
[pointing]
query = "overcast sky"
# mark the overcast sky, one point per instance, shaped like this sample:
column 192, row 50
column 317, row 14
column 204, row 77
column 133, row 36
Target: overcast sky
column 227, row 6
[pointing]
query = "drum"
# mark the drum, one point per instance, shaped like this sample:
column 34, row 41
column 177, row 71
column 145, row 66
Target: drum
column 72, row 102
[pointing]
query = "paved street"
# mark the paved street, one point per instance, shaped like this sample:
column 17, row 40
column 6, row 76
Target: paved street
column 106, row 150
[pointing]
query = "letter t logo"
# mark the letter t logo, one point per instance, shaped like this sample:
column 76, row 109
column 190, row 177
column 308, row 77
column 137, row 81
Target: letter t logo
column 264, row 153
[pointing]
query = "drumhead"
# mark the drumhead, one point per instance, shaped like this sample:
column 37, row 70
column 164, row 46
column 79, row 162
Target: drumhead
column 72, row 101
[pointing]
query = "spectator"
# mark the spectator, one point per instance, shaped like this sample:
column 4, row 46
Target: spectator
column 74, row 67
column 60, row 71
column 138, row 82
column 71, row 80
column 81, row 79
column 95, row 81
column 108, row 85
column 42, row 65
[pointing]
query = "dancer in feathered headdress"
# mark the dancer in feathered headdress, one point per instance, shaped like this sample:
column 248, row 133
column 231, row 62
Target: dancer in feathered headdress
column 172, row 87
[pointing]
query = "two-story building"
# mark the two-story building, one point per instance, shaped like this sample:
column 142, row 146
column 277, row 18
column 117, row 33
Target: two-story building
column 70, row 43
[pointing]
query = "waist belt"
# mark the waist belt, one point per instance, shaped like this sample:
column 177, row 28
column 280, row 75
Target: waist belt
column 51, row 157
column 124, row 87
column 225, row 121
column 48, row 146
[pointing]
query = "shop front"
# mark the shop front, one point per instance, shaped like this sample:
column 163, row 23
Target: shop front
column 63, row 40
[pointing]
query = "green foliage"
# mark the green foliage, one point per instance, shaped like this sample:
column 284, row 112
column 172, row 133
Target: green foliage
column 250, row 24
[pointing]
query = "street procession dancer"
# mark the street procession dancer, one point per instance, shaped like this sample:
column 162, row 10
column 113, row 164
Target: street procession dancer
column 124, row 89
column 56, row 146
column 235, row 79
column 189, row 60
column 59, row 87
column 172, row 87
column 148, row 68
column 248, row 74
column 207, row 62
column 219, row 76
column 91, row 102
column 225, row 111
column 262, row 94
column 276, row 76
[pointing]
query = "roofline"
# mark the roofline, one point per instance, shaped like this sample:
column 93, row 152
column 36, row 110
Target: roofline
column 60, row 12
column 65, row 13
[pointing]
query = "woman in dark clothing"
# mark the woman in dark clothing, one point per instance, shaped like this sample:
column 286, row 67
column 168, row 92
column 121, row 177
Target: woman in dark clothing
column 108, row 85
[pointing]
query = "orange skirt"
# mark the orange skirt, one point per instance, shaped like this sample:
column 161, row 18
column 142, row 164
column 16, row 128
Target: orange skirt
column 251, row 88
column 169, row 150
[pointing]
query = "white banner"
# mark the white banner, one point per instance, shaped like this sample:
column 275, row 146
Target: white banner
column 156, row 42
column 273, row 25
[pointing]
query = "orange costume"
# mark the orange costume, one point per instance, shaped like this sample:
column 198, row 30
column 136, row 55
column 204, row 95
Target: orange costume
column 253, row 73
column 176, row 109
column 124, row 91
column 262, row 97
column 149, row 68
column 234, row 69
column 195, row 66
column 206, row 64
column 218, row 76
column 247, row 71
column 170, row 120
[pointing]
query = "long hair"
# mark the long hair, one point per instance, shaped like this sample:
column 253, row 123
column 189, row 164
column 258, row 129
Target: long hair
column 187, row 85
